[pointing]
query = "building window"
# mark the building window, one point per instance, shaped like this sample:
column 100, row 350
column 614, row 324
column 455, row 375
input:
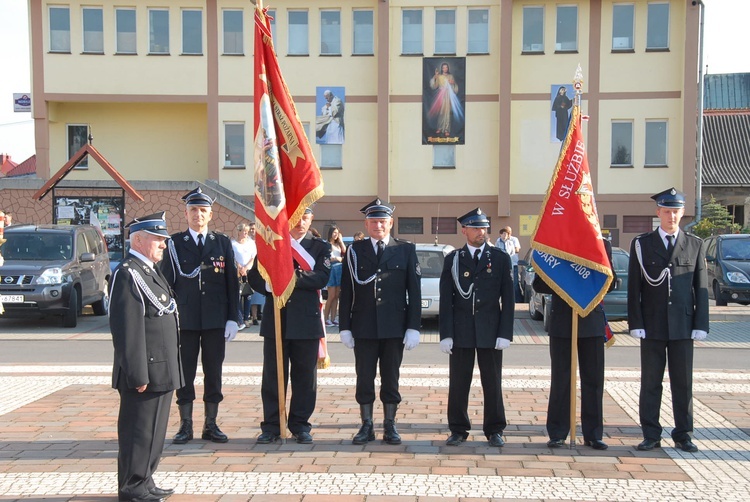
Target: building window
column 298, row 33
column 330, row 32
column 272, row 15
column 567, row 28
column 411, row 31
column 192, row 32
column 158, row 31
column 93, row 30
column 656, row 143
column 444, row 225
column 479, row 31
column 637, row 224
column 330, row 157
column 78, row 135
column 445, row 31
column 444, row 156
column 622, row 144
column 364, row 34
column 233, row 28
column 234, row 144
column 533, row 29
column 59, row 29
column 414, row 226
column 126, row 40
column 622, row 27
column 657, row 36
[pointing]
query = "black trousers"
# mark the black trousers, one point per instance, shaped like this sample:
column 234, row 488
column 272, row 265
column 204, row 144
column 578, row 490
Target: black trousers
column 367, row 353
column 591, row 369
column 655, row 355
column 302, row 356
column 461, row 364
column 211, row 345
column 141, row 429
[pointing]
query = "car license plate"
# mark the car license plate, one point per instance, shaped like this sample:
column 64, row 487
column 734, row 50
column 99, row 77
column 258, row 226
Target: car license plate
column 426, row 303
column 11, row 298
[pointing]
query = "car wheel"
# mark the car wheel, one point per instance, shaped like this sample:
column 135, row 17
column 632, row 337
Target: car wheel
column 547, row 315
column 720, row 302
column 102, row 306
column 70, row 318
column 533, row 312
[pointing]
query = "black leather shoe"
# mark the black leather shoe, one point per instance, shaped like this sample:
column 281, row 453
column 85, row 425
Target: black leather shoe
column 390, row 433
column 596, row 444
column 267, row 438
column 555, row 443
column 211, row 432
column 686, row 445
column 161, row 492
column 649, row 444
column 496, row 439
column 303, row 437
column 143, row 498
column 456, row 439
column 185, row 433
column 366, row 433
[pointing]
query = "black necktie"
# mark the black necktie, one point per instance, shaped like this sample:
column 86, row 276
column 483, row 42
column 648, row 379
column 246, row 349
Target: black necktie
column 476, row 256
column 381, row 247
column 200, row 243
column 670, row 244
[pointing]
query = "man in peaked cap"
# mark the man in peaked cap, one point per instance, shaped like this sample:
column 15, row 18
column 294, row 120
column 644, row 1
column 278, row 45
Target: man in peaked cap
column 201, row 269
column 147, row 368
column 476, row 316
column 667, row 310
column 380, row 311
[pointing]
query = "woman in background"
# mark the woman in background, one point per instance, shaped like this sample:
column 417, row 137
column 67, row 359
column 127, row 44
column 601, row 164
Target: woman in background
column 338, row 251
column 244, row 255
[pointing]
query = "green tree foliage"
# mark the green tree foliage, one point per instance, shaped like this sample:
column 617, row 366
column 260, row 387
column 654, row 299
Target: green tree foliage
column 716, row 220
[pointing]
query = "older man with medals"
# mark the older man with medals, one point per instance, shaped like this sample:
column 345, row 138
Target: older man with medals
column 667, row 310
column 380, row 312
column 201, row 269
column 476, row 316
column 147, row 369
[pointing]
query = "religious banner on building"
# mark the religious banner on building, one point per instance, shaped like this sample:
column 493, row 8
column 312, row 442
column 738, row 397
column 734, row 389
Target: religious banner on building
column 329, row 123
column 443, row 101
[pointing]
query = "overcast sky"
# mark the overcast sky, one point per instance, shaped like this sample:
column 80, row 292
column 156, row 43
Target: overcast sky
column 727, row 39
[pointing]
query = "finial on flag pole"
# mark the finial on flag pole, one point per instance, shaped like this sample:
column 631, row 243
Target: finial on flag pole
column 578, row 83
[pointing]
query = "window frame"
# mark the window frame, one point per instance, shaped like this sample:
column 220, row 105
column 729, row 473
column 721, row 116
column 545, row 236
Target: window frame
column 290, row 32
column 420, row 50
column 652, row 48
column 184, row 32
column 272, row 14
column 238, row 40
column 228, row 148
column 84, row 164
column 438, row 225
column 450, row 45
column 371, row 40
column 118, row 32
column 58, row 50
column 631, row 37
column 84, row 32
column 471, row 30
column 152, row 35
column 329, row 160
column 612, row 147
column 406, row 225
column 558, row 48
column 531, row 45
column 330, row 52
column 448, row 164
column 649, row 138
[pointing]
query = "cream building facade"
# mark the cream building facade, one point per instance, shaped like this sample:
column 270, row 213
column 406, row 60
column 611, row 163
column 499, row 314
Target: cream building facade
column 165, row 88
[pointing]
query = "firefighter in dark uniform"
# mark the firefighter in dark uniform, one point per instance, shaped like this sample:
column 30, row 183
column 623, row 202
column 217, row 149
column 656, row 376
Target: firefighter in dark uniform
column 667, row 310
column 591, row 342
column 476, row 316
column 200, row 267
column 380, row 308
column 147, row 369
column 301, row 331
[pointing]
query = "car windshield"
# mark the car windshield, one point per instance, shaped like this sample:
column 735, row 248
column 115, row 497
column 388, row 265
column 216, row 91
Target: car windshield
column 431, row 263
column 735, row 249
column 620, row 263
column 37, row 246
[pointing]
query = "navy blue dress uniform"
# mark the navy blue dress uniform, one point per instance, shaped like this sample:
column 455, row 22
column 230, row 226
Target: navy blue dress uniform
column 591, row 342
column 667, row 309
column 476, row 309
column 145, row 334
column 204, row 279
column 380, row 312
column 301, row 331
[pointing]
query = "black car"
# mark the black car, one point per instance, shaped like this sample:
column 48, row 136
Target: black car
column 54, row 269
column 728, row 268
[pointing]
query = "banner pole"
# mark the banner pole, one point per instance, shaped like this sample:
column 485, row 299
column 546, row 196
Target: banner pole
column 573, row 376
column 280, row 371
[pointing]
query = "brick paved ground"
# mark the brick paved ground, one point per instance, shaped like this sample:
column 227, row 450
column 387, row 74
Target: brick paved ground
column 58, row 441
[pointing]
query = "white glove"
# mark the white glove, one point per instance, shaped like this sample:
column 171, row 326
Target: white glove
column 638, row 333
column 268, row 288
column 502, row 343
column 698, row 335
column 230, row 330
column 347, row 339
column 446, row 344
column 411, row 339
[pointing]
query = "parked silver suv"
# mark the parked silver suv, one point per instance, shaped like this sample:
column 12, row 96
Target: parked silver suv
column 54, row 269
